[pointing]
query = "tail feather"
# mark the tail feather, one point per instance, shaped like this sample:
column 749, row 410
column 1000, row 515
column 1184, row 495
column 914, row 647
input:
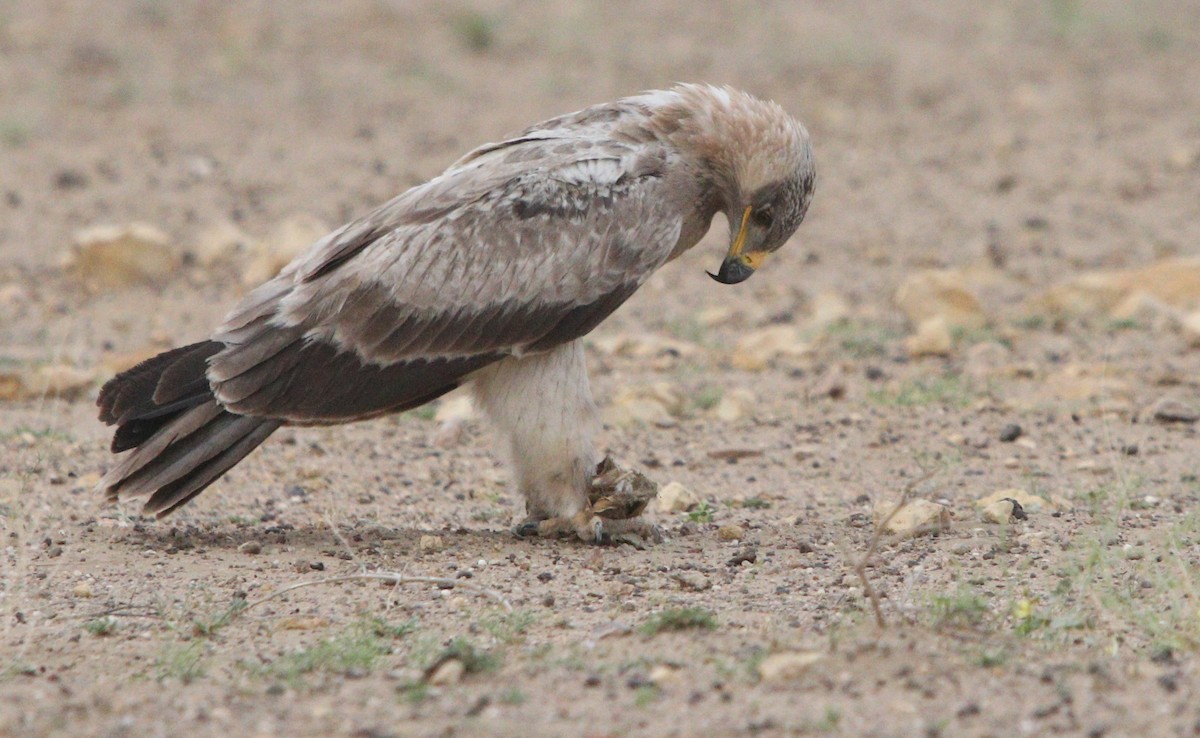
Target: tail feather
column 182, row 439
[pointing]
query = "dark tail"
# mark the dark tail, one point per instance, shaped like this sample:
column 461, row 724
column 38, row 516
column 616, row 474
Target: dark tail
column 182, row 440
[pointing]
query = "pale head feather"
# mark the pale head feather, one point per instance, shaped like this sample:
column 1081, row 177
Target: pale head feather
column 750, row 143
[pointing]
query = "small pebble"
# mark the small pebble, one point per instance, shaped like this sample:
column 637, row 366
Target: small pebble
column 732, row 532
column 251, row 547
column 83, row 589
column 430, row 544
column 1010, row 433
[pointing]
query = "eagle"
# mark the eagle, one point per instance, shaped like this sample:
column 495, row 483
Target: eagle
column 486, row 276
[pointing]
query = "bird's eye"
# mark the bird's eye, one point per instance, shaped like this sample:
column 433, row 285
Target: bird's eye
column 763, row 217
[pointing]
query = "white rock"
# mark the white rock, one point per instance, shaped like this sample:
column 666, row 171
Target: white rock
column 998, row 512
column 940, row 293
column 828, row 307
column 916, row 517
column 1190, row 324
column 109, row 257
column 933, row 338
column 757, row 349
column 55, row 380
column 737, row 404
column 219, row 242
column 659, row 404
column 788, row 665
column 448, row 672
column 675, row 498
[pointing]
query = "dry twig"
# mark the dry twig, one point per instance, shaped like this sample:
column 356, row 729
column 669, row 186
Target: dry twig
column 861, row 569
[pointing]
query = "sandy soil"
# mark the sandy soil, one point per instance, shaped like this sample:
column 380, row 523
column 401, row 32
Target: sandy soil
column 1044, row 139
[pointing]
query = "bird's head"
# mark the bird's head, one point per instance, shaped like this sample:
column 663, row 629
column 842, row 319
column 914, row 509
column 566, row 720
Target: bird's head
column 762, row 163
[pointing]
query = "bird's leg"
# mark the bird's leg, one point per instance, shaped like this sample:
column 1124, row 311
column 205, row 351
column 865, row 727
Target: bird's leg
column 542, row 406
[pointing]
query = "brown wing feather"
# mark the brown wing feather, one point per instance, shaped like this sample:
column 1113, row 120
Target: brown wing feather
column 399, row 308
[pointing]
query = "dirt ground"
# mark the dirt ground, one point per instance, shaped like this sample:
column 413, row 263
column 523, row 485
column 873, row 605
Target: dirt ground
column 1028, row 141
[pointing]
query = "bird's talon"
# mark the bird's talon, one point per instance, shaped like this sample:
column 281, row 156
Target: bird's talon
column 527, row 529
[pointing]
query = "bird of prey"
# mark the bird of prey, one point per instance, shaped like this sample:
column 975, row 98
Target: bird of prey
column 488, row 275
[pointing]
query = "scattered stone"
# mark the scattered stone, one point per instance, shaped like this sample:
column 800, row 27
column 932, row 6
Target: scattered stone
column 13, row 295
column 744, row 556
column 56, row 380
column 430, row 544
column 660, row 352
column 664, row 675
column 692, row 580
column 999, row 512
column 1183, row 157
column 1174, row 281
column 252, row 548
column 788, row 665
column 1174, row 410
column 940, row 293
column 757, row 349
column 652, row 404
column 731, row 532
column 915, row 518
column 806, row 451
column 933, row 338
column 737, row 404
column 828, row 307
column 1010, row 433
column 1143, row 309
column 83, row 589
column 715, row 315
column 221, row 242
column 446, row 673
column 114, row 257
column 734, row 454
column 1027, row 502
column 290, row 238
column 675, row 498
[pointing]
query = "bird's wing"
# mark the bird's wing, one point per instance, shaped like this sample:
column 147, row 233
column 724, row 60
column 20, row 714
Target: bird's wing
column 517, row 248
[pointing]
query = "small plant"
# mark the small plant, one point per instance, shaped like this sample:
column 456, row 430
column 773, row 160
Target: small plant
column 1026, row 617
column 687, row 618
column 476, row 31
column 645, row 694
column 962, row 609
column 474, row 660
column 207, row 628
column 703, row 513
column 830, row 721
column 181, row 661
column 509, row 627
column 354, row 651
column 512, row 696
column 756, row 503
column 101, row 626
column 948, row 390
column 708, row 397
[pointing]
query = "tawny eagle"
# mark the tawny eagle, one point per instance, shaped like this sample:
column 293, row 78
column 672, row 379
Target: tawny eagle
column 487, row 275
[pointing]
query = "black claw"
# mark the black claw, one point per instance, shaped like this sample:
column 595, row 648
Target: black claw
column 528, row 529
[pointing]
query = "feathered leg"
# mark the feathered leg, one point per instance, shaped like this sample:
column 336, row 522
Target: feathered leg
column 542, row 407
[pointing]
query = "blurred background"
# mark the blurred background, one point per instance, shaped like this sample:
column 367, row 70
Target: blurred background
column 173, row 154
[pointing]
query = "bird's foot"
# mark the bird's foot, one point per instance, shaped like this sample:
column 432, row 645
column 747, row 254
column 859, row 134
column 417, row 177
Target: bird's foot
column 590, row 528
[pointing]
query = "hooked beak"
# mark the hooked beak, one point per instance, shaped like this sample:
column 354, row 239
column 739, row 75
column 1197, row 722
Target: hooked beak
column 739, row 265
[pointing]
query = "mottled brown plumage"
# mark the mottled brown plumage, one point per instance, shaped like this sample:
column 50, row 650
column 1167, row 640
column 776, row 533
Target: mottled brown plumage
column 488, row 274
